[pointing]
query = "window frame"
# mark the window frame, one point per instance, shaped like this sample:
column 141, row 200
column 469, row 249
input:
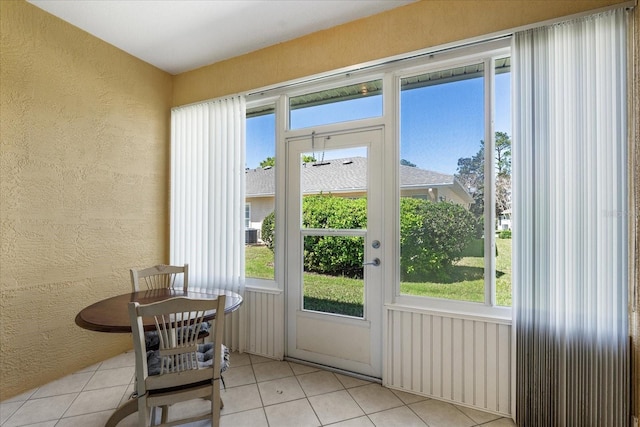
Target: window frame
column 488, row 308
column 390, row 73
column 268, row 285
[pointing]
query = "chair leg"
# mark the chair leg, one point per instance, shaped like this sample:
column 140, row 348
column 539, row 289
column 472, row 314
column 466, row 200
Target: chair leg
column 216, row 404
column 143, row 412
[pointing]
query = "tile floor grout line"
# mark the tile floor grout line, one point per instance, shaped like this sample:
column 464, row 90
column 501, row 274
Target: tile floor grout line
column 30, row 396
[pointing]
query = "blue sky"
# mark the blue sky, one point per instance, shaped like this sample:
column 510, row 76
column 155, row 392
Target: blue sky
column 439, row 123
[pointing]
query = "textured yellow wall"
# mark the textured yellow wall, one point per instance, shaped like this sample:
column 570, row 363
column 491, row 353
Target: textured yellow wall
column 405, row 29
column 84, row 131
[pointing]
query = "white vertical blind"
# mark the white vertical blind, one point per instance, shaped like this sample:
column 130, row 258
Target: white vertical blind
column 208, row 192
column 570, row 213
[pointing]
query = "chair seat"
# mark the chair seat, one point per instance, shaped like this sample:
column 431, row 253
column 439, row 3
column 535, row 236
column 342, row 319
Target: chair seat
column 204, row 355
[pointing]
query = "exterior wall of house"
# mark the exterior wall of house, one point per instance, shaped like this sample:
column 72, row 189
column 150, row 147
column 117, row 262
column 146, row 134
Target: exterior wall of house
column 436, row 195
column 260, row 208
column 84, row 167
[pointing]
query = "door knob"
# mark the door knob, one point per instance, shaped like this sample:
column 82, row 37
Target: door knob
column 375, row 262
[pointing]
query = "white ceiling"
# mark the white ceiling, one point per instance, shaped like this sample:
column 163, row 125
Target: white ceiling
column 181, row 35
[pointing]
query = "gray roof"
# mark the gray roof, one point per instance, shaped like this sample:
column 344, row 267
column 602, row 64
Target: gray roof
column 345, row 175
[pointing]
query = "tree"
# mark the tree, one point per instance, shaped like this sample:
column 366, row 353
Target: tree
column 271, row 161
column 405, row 162
column 503, row 153
column 471, row 175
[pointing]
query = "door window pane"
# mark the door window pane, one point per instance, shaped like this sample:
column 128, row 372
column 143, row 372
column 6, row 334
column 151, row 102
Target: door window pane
column 334, row 185
column 333, row 275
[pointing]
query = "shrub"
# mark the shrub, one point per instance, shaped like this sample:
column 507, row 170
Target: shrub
column 432, row 237
column 268, row 228
column 504, row 234
column 334, row 255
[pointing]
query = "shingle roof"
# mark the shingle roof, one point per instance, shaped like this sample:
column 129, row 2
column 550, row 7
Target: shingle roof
column 342, row 175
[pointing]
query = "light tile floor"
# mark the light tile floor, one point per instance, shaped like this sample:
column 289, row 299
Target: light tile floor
column 260, row 393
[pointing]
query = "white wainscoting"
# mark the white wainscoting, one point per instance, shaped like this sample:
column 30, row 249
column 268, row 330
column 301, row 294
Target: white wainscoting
column 264, row 317
column 462, row 359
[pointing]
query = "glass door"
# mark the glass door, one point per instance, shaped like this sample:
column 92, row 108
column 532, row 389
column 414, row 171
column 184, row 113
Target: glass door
column 334, row 265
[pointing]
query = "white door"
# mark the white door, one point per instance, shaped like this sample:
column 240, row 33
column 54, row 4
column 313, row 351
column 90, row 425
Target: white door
column 334, row 254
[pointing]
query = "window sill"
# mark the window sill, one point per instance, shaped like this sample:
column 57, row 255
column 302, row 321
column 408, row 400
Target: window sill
column 460, row 309
column 262, row 285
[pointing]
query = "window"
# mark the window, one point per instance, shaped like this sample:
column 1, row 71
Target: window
column 260, row 191
column 502, row 157
column 247, row 215
column 357, row 101
column 444, row 237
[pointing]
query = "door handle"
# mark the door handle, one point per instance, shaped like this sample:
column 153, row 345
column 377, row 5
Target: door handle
column 375, row 262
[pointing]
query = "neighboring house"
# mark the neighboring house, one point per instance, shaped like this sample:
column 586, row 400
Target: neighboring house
column 346, row 178
column 504, row 221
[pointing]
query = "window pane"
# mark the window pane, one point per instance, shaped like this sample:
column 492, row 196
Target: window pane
column 333, row 275
column 353, row 102
column 334, row 184
column 502, row 125
column 260, row 192
column 442, row 184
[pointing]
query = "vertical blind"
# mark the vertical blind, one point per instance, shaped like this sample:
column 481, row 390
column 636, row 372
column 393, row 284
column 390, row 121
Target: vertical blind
column 570, row 212
column 208, row 192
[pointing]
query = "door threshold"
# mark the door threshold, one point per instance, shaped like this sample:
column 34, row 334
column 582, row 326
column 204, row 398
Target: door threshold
column 336, row 370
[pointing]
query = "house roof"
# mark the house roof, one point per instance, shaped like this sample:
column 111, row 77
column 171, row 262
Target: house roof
column 348, row 175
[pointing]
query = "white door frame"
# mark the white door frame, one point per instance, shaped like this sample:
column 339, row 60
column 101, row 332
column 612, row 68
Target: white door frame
column 342, row 342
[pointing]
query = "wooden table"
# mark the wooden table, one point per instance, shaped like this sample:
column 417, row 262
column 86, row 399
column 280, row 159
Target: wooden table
column 112, row 315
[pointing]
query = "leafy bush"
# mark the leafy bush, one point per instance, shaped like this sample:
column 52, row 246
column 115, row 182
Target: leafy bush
column 504, row 234
column 268, row 228
column 334, row 255
column 432, row 237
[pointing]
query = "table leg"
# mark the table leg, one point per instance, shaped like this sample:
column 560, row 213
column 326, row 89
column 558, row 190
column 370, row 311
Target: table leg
column 126, row 409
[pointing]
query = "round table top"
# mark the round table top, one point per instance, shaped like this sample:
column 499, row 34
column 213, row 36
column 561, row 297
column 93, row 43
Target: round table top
column 112, row 314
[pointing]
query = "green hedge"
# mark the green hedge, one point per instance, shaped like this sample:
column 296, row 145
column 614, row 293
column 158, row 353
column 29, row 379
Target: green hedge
column 504, row 234
column 433, row 236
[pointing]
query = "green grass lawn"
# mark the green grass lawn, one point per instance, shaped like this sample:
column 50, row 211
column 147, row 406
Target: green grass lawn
column 258, row 262
column 344, row 295
column 467, row 279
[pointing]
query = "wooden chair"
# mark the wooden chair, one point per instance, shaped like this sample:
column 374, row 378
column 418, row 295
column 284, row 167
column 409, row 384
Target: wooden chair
column 176, row 373
column 159, row 276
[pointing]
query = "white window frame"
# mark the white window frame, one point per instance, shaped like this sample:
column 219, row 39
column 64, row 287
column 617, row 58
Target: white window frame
column 489, row 307
column 391, row 73
column 270, row 285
